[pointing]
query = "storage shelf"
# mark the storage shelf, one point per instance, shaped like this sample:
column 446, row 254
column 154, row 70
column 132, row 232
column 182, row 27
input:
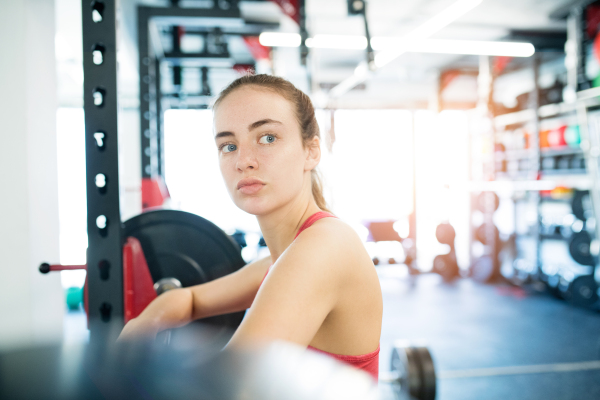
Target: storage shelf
column 591, row 98
column 564, row 172
column 544, row 152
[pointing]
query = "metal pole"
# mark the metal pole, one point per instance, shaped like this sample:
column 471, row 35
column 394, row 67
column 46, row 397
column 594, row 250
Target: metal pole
column 104, row 254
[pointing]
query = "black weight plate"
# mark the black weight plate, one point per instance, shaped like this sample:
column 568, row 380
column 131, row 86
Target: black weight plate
column 482, row 200
column 427, row 369
column 446, row 266
column 445, row 233
column 577, row 203
column 583, row 291
column 579, row 248
column 483, row 270
column 185, row 246
column 405, row 366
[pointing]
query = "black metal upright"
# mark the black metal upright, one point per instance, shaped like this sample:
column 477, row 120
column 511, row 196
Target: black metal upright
column 148, row 97
column 104, row 255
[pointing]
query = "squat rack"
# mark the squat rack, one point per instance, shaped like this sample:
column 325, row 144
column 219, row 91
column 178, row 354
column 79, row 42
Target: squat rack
column 105, row 287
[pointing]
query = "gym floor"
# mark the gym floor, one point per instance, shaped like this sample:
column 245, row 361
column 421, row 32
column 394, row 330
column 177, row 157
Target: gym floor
column 468, row 326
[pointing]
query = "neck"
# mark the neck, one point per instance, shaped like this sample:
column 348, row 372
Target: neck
column 280, row 226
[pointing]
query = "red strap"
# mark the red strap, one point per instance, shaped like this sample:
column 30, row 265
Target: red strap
column 312, row 219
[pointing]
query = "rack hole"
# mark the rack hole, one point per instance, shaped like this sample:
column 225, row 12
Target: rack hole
column 98, row 54
column 104, row 267
column 102, row 224
column 97, row 11
column 105, row 311
column 99, row 97
column 101, row 183
column 100, row 140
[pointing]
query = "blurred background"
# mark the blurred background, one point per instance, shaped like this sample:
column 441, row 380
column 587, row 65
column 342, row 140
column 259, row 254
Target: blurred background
column 472, row 127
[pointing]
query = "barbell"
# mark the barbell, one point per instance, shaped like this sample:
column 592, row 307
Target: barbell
column 412, row 373
column 165, row 249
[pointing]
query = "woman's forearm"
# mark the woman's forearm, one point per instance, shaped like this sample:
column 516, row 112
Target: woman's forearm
column 169, row 310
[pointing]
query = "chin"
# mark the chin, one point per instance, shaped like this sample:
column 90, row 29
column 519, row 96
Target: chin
column 254, row 205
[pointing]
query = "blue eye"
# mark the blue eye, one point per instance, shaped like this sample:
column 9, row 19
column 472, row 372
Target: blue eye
column 228, row 148
column 268, row 139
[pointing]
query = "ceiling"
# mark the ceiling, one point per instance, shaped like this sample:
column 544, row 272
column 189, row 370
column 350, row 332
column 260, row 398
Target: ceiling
column 408, row 82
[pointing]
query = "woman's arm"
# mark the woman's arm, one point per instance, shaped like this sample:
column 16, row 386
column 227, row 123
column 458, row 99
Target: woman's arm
column 175, row 308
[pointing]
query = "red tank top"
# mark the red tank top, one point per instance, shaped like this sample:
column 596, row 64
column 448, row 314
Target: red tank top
column 367, row 362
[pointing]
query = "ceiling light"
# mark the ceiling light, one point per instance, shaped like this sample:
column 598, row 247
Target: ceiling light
column 344, row 42
column 427, row 29
column 423, row 31
column 444, row 46
column 279, row 39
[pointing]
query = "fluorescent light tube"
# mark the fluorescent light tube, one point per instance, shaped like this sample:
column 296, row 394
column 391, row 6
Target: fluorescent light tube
column 427, row 29
column 279, row 39
column 445, row 46
column 345, row 42
column 423, row 31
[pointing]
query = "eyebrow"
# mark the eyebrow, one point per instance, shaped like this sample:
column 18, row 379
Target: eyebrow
column 252, row 126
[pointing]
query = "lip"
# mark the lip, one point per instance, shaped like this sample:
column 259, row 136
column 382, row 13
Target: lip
column 249, row 182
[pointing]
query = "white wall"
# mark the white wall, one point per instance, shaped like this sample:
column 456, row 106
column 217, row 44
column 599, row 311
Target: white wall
column 31, row 305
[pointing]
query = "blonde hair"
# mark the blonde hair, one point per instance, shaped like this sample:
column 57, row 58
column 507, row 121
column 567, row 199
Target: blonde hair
column 305, row 115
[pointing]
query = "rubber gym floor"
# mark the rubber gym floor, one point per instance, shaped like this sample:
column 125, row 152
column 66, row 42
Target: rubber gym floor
column 467, row 325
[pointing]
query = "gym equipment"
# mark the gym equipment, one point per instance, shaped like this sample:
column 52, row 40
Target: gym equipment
column 577, row 162
column 412, row 373
column 481, row 233
column 445, row 233
column 563, row 162
column 549, row 163
column 185, row 370
column 74, row 297
column 583, row 291
column 446, row 266
column 483, row 269
column 261, row 242
column 580, row 204
column 579, row 248
column 572, row 136
column 556, row 137
column 481, row 202
column 240, row 238
column 165, row 249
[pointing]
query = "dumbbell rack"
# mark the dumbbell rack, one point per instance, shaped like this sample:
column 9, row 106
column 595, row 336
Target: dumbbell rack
column 534, row 179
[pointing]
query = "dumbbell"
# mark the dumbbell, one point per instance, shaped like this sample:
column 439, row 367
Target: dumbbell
column 483, row 269
column 412, row 373
column 480, row 233
column 481, row 202
column 445, row 264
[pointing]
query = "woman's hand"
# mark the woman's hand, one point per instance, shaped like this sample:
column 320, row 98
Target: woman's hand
column 136, row 329
column 171, row 309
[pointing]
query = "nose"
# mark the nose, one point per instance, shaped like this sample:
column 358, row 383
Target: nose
column 246, row 159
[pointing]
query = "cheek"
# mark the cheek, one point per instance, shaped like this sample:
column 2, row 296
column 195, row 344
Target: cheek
column 286, row 163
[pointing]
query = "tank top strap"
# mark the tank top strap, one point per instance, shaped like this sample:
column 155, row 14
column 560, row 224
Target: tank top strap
column 312, row 219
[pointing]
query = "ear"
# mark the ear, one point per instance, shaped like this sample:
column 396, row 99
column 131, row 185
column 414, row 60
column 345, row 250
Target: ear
column 313, row 154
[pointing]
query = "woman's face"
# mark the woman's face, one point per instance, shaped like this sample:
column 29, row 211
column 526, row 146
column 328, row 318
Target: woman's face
column 261, row 155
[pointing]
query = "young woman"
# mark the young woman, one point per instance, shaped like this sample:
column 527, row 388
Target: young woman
column 319, row 287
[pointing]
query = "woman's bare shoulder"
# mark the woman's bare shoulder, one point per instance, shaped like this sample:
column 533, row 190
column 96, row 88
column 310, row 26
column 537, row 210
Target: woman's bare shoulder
column 332, row 238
